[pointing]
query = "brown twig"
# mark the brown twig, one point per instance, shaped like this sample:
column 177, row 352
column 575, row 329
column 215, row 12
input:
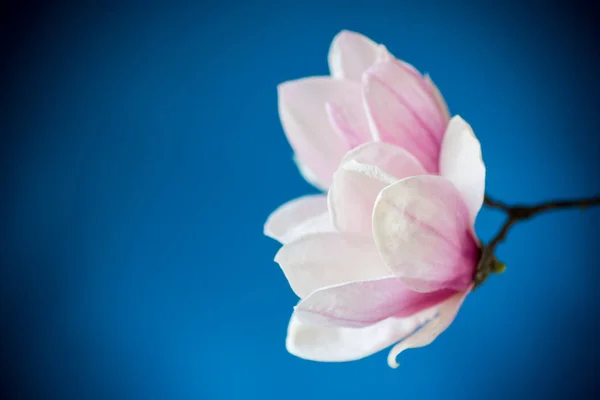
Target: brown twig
column 524, row 212
column 492, row 203
column 488, row 263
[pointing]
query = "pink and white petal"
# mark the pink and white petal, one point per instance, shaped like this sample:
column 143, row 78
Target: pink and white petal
column 430, row 331
column 299, row 217
column 352, row 196
column 349, row 120
column 442, row 105
column 383, row 54
column 364, row 172
column 402, row 110
column 422, row 229
column 350, row 54
column 335, row 344
column 461, row 163
column 319, row 224
column 306, row 124
column 363, row 303
column 431, row 88
column 325, row 259
column 411, row 69
column 394, row 160
column 309, row 176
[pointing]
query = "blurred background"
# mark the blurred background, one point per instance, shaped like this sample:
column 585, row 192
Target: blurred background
column 142, row 152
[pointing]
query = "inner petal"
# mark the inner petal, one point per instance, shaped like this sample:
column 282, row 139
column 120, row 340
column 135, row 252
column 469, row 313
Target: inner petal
column 364, row 172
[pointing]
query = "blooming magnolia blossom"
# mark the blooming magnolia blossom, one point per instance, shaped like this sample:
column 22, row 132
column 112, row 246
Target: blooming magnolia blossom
column 370, row 95
column 391, row 248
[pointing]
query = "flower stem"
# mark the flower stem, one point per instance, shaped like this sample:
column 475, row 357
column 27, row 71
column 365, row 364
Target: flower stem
column 488, row 263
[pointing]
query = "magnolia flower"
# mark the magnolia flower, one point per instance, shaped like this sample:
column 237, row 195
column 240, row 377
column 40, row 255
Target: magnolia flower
column 389, row 254
column 370, row 95
column 389, row 250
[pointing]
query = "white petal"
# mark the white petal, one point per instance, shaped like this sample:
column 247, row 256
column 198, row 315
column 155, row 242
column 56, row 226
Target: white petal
column 431, row 330
column 353, row 194
column 395, row 160
column 325, row 259
column 421, row 228
column 363, row 303
column 443, row 106
column 402, row 110
column 461, row 163
column 335, row 344
column 303, row 115
column 349, row 120
column 308, row 175
column 299, row 217
column 364, row 172
column 350, row 54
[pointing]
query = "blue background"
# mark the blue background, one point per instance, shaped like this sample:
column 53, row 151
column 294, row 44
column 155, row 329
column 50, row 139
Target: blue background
column 142, row 152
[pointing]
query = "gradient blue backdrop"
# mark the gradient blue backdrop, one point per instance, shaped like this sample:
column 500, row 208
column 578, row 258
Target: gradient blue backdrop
column 142, row 152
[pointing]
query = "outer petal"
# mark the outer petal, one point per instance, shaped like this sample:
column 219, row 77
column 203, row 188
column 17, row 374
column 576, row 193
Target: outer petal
column 319, row 343
column 299, row 217
column 364, row 172
column 429, row 332
column 325, row 259
column 403, row 110
column 350, row 54
column 422, row 229
column 318, row 147
column 363, row 303
column 461, row 163
column 440, row 99
column 309, row 176
column 349, row 121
